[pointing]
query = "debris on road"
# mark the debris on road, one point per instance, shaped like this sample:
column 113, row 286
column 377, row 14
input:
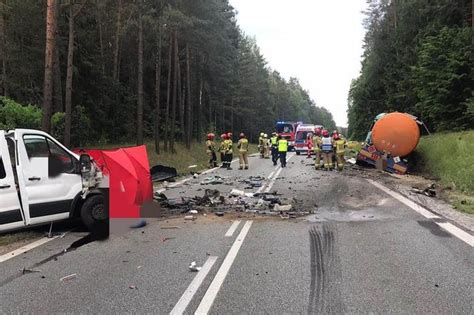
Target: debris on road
column 213, row 180
column 193, row 267
column 139, row 224
column 278, row 207
column 190, row 217
column 429, row 191
column 133, row 287
column 169, row 227
column 160, row 173
column 219, row 213
column 193, row 212
column 254, row 182
column 192, row 166
column 26, row 270
column 68, row 277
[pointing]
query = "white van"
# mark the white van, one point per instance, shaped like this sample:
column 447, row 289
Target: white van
column 41, row 181
column 301, row 135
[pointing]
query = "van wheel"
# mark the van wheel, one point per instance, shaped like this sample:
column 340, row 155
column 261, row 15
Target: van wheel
column 95, row 216
column 298, row 152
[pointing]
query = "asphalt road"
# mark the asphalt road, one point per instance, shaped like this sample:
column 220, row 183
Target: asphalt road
column 361, row 251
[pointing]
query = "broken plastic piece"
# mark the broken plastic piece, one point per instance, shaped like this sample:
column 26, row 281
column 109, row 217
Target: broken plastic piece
column 68, row 277
column 189, row 217
column 193, row 211
column 193, row 267
column 236, row 192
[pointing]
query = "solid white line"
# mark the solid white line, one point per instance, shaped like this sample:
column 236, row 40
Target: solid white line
column 188, row 295
column 271, row 174
column 26, row 248
column 232, row 228
column 211, row 293
column 451, row 228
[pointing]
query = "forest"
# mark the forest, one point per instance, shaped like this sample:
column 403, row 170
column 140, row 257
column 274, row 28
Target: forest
column 116, row 71
column 417, row 59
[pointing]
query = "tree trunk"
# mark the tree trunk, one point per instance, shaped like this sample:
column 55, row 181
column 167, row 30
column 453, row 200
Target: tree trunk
column 140, row 81
column 69, row 74
column 232, row 115
column 57, row 85
column 101, row 42
column 189, row 116
column 180, row 101
column 157, row 92
column 3, row 53
column 118, row 29
column 168, row 93
column 48, row 66
column 173, row 105
column 199, row 111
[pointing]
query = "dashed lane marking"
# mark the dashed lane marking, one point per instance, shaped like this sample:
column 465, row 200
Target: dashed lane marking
column 232, row 228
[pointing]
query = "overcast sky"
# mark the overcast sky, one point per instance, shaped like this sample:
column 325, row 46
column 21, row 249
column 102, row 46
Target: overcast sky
column 317, row 41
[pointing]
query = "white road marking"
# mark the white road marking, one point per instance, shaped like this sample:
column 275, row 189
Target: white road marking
column 271, row 174
column 213, row 290
column 232, row 228
column 26, row 248
column 272, row 181
column 188, row 295
column 449, row 227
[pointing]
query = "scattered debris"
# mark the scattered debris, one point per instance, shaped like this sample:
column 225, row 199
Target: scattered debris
column 164, row 239
column 236, row 192
column 161, row 173
column 278, row 207
column 192, row 166
column 68, row 277
column 429, row 191
column 189, row 217
column 254, row 181
column 139, row 224
column 133, row 287
column 25, row 271
column 193, row 267
column 213, row 180
column 219, row 213
column 352, row 161
column 193, row 212
column 170, row 227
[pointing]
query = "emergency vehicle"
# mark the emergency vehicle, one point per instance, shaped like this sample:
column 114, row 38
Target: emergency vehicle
column 302, row 132
column 287, row 130
column 41, row 181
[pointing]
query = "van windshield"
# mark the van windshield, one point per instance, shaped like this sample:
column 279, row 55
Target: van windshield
column 302, row 135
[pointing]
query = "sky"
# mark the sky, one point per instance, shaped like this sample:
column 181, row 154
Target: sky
column 317, row 41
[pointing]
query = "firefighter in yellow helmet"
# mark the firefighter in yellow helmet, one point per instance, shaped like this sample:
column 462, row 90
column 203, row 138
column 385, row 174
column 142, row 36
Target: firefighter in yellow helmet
column 282, row 150
column 243, row 146
column 327, row 149
column 211, row 150
column 261, row 145
column 317, row 148
column 339, row 147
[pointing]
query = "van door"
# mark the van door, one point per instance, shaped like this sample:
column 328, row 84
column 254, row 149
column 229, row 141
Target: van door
column 11, row 215
column 50, row 180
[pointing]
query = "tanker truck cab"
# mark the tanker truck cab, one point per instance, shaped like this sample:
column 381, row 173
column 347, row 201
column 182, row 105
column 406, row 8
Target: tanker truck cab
column 41, row 181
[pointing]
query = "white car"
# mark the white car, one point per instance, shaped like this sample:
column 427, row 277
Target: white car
column 41, row 181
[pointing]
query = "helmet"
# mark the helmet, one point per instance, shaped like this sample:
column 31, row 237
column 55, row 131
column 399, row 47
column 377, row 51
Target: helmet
column 265, row 136
column 242, row 135
column 210, row 136
column 335, row 136
column 317, row 131
column 223, row 136
column 335, row 132
column 274, row 133
column 229, row 134
column 261, row 134
column 325, row 133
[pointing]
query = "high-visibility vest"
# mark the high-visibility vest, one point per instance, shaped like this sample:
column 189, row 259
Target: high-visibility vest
column 316, row 143
column 326, row 144
column 228, row 147
column 282, row 145
column 274, row 141
column 243, row 145
column 339, row 145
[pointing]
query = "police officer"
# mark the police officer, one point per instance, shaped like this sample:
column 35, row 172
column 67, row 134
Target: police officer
column 243, row 146
column 274, row 147
column 211, row 150
column 327, row 149
column 282, row 149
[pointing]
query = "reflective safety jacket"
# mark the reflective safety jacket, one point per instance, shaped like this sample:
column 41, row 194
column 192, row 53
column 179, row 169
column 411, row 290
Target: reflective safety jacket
column 340, row 145
column 326, row 144
column 316, row 143
column 243, row 145
column 282, row 145
column 274, row 141
column 210, row 146
column 227, row 146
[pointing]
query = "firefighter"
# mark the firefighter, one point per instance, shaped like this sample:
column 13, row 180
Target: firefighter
column 282, row 149
column 261, row 146
column 274, row 147
column 309, row 143
column 266, row 146
column 243, row 146
column 327, row 149
column 211, row 150
column 222, row 149
column 339, row 147
column 229, row 150
column 317, row 148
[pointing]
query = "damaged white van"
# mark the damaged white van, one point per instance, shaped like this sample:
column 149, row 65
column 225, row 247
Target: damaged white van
column 41, row 181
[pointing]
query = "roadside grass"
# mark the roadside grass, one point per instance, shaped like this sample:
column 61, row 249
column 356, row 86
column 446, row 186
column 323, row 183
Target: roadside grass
column 449, row 157
column 20, row 238
column 182, row 159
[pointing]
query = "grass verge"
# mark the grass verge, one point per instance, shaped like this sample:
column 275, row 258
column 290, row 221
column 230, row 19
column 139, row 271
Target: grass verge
column 449, row 157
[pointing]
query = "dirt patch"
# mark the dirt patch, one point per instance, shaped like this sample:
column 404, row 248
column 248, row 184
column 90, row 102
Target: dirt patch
column 15, row 240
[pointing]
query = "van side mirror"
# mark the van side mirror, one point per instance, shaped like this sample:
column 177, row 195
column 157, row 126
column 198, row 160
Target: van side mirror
column 85, row 163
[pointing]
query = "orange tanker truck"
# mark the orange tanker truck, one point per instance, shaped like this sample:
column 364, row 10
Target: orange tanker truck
column 391, row 139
